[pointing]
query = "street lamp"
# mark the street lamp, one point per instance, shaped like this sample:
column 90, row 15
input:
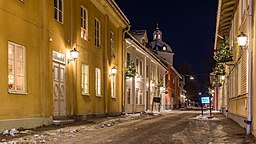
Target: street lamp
column 242, row 39
column 74, row 55
column 191, row 77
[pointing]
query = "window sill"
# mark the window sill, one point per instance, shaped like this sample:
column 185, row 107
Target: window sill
column 113, row 97
column 17, row 93
column 62, row 23
column 98, row 95
column 84, row 94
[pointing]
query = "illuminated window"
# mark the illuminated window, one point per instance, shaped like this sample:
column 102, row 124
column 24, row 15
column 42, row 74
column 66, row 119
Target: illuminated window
column 16, row 68
column 98, row 82
column 85, row 79
column 84, row 24
column 58, row 10
column 97, row 32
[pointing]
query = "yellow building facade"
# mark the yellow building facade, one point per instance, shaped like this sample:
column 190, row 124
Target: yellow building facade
column 237, row 93
column 40, row 79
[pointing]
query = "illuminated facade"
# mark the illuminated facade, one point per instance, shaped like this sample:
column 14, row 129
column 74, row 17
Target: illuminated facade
column 236, row 94
column 150, row 74
column 40, row 79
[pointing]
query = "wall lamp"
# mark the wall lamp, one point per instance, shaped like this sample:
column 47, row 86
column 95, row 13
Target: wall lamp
column 242, row 39
column 113, row 71
column 191, row 77
column 74, row 55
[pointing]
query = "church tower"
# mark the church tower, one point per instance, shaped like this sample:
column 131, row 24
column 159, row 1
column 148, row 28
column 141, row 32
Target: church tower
column 162, row 49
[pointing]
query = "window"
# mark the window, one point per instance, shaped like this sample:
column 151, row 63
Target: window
column 85, row 79
column 16, row 68
column 84, row 23
column 141, row 67
column 137, row 96
column 98, row 82
column 147, row 71
column 128, row 58
column 141, row 98
column 58, row 10
column 137, row 65
column 97, row 33
column 112, row 44
column 113, row 86
column 128, row 92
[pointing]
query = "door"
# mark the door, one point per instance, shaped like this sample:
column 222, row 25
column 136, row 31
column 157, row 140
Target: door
column 59, row 90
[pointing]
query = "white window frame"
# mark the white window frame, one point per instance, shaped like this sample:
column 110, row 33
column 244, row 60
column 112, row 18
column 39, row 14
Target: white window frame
column 97, row 32
column 15, row 75
column 112, row 44
column 59, row 11
column 84, row 23
column 85, row 79
column 98, row 81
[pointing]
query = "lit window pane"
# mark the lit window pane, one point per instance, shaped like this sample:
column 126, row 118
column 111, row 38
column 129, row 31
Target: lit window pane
column 19, row 69
column 20, row 81
column 16, row 72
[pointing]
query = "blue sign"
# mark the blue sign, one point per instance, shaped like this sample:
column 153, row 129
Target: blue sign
column 205, row 100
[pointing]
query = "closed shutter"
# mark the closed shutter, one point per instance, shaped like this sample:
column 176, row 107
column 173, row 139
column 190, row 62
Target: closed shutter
column 244, row 74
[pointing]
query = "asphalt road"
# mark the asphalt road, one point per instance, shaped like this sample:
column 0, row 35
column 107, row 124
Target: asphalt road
column 177, row 127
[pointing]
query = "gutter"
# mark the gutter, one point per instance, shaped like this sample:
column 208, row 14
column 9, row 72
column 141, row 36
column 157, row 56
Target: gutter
column 249, row 52
column 217, row 24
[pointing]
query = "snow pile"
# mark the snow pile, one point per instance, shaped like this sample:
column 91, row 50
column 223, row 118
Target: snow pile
column 205, row 117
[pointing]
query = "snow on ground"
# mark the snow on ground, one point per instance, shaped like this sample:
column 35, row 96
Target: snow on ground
column 33, row 136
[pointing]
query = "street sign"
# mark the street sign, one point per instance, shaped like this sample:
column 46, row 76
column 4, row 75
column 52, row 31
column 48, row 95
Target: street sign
column 205, row 100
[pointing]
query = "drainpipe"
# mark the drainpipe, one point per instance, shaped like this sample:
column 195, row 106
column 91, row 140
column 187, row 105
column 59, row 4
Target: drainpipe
column 123, row 71
column 105, row 67
column 249, row 68
column 71, row 42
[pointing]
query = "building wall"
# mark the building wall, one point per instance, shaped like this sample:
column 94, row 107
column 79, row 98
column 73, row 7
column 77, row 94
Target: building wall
column 21, row 24
column 32, row 25
column 173, row 95
column 141, row 83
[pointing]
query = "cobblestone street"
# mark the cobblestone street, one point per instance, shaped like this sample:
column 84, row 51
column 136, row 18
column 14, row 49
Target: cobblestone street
column 178, row 127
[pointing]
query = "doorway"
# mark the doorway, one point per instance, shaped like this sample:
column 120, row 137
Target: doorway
column 59, row 89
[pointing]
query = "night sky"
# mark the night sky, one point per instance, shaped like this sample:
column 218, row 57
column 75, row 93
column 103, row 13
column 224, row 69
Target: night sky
column 188, row 26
